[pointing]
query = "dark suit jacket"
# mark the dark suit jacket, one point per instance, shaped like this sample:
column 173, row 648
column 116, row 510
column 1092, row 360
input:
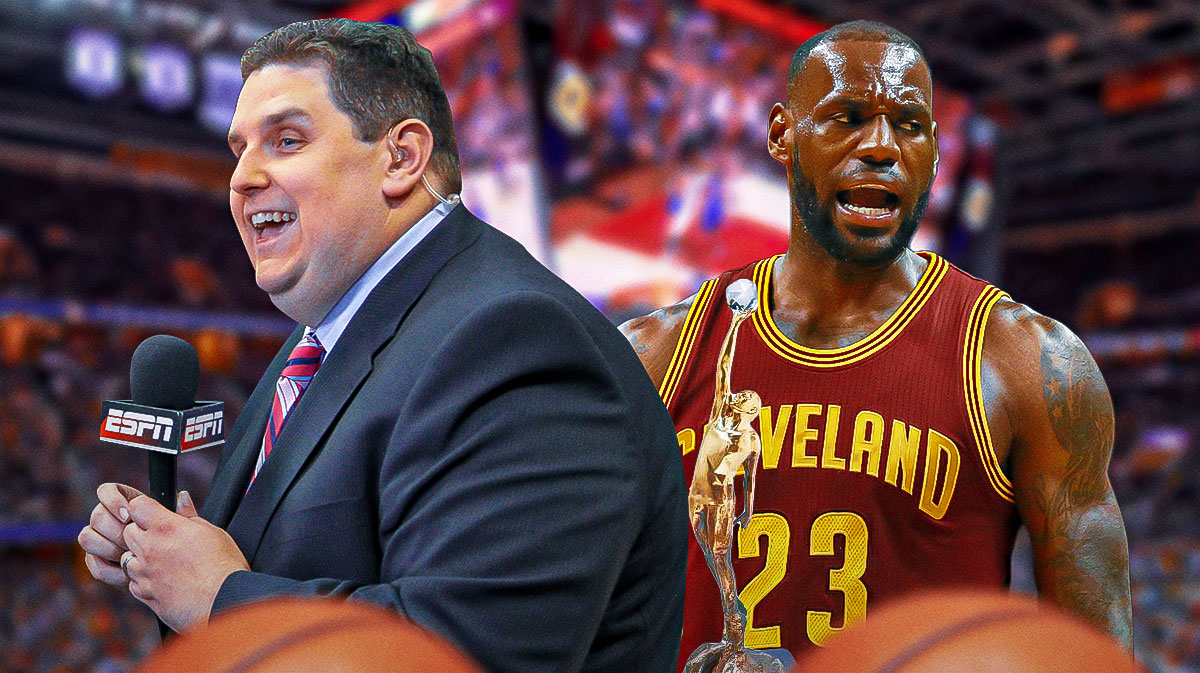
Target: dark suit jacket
column 482, row 452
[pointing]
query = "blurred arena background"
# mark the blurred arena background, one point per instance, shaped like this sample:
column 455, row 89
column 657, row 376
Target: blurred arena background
column 623, row 142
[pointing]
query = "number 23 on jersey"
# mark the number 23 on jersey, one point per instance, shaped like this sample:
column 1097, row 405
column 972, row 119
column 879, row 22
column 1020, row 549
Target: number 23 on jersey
column 847, row 579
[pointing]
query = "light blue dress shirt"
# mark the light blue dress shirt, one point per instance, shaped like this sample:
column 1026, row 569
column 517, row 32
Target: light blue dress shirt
column 334, row 322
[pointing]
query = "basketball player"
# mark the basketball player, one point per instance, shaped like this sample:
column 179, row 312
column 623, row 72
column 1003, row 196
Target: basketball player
column 912, row 416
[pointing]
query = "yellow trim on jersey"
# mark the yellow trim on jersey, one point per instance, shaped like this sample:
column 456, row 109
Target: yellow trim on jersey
column 973, row 388
column 846, row 355
column 687, row 338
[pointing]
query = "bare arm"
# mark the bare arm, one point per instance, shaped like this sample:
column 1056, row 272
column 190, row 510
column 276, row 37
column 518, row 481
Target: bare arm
column 1050, row 403
column 654, row 336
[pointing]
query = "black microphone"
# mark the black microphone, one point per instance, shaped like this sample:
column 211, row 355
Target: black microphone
column 164, row 374
column 163, row 416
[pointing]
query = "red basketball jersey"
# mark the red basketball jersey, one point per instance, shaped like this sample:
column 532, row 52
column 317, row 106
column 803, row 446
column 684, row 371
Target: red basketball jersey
column 877, row 473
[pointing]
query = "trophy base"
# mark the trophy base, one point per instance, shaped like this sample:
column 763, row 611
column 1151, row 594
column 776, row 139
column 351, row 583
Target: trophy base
column 724, row 658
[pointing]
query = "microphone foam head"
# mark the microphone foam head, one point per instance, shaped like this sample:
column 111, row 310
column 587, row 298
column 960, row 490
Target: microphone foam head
column 164, row 373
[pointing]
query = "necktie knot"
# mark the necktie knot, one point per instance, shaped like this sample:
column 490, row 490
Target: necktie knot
column 305, row 359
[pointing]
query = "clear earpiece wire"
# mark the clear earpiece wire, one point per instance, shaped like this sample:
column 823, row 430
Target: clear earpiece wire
column 452, row 200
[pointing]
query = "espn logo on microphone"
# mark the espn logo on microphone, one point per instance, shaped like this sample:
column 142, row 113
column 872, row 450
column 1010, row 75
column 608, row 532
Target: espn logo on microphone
column 198, row 430
column 139, row 425
column 163, row 430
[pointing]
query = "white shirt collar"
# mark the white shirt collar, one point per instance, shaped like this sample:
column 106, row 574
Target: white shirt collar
column 334, row 322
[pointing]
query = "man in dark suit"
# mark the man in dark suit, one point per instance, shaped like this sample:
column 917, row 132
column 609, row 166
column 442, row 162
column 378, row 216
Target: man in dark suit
column 452, row 431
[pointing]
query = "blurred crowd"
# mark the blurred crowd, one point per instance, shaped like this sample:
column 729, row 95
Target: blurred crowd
column 56, row 618
column 1156, row 474
column 1109, row 283
column 488, row 89
column 1166, row 603
column 84, row 239
column 665, row 82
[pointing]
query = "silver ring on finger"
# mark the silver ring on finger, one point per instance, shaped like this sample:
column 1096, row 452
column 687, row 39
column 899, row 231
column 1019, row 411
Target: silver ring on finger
column 125, row 559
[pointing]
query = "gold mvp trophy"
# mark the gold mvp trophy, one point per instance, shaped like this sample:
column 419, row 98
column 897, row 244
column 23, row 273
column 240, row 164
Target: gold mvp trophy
column 729, row 444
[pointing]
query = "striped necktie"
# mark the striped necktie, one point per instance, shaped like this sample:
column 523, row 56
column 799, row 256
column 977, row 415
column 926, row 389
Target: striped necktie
column 301, row 366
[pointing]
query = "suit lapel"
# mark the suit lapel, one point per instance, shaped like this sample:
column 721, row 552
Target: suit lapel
column 343, row 371
column 244, row 442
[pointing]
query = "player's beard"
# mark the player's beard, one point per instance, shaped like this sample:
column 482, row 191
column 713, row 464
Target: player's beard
column 818, row 221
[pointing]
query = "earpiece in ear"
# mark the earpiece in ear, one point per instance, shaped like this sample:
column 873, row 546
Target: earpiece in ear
column 400, row 152
column 402, row 155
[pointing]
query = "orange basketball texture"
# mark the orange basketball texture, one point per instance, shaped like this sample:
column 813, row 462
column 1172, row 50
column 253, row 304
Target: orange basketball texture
column 969, row 631
column 319, row 635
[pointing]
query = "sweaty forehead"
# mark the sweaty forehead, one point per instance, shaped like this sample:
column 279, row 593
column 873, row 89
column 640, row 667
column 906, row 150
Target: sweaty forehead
column 862, row 67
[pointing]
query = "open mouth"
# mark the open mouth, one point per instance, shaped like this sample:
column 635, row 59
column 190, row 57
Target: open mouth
column 871, row 201
column 270, row 222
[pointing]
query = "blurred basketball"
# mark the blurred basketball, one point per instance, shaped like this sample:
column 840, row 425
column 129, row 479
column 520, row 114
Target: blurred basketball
column 977, row 631
column 319, row 635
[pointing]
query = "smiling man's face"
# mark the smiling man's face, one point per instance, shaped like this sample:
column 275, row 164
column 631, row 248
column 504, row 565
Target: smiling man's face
column 865, row 147
column 306, row 194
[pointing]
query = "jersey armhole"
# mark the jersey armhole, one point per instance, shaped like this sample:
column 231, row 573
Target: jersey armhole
column 687, row 338
column 973, row 388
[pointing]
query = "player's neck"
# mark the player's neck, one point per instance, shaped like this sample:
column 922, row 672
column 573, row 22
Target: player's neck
column 825, row 301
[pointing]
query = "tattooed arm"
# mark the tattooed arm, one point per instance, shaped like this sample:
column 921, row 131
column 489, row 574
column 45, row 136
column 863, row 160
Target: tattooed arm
column 654, row 336
column 1049, row 407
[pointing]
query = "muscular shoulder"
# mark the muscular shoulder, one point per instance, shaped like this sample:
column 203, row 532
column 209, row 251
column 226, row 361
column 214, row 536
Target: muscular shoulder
column 654, row 336
column 1015, row 336
column 1021, row 343
column 1050, row 387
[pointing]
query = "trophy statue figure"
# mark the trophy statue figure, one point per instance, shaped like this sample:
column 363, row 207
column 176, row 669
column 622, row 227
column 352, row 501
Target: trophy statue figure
column 729, row 444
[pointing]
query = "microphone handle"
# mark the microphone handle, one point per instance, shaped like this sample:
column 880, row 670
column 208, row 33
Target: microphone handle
column 162, row 478
column 162, row 489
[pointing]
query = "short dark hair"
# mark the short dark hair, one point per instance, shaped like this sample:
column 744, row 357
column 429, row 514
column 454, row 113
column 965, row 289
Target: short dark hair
column 870, row 31
column 378, row 75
